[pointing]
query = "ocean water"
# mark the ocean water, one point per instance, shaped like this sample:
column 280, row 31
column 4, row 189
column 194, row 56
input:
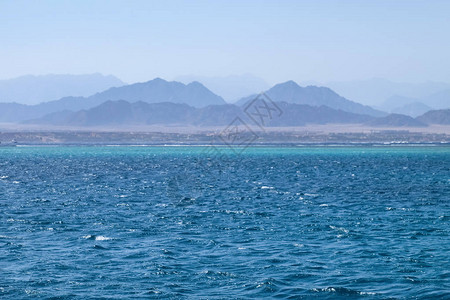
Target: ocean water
column 175, row 222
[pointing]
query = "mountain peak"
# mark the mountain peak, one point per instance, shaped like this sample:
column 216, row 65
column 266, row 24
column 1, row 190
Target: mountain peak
column 289, row 84
column 291, row 92
column 196, row 84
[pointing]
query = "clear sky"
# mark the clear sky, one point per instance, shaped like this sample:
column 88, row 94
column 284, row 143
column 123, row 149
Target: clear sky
column 276, row 40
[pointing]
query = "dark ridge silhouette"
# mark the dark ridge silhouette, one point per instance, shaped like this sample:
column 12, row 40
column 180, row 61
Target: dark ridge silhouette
column 396, row 120
column 441, row 117
column 140, row 113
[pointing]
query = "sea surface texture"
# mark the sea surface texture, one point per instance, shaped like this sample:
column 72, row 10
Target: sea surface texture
column 179, row 222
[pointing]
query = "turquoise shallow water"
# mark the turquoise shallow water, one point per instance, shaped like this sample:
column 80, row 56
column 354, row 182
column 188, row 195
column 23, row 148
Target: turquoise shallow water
column 173, row 222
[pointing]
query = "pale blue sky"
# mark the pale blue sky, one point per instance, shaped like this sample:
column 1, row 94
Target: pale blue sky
column 276, row 40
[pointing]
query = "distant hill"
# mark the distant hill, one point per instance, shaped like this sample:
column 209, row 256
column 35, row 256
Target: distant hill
column 415, row 106
column 154, row 91
column 32, row 89
column 396, row 101
column 396, row 120
column 412, row 109
column 159, row 90
column 441, row 117
column 291, row 92
column 439, row 100
column 140, row 113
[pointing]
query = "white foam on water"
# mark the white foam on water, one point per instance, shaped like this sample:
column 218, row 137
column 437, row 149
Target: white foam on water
column 311, row 195
column 97, row 237
column 102, row 238
column 264, row 187
column 339, row 229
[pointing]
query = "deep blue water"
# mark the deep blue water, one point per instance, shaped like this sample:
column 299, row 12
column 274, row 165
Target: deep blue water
column 171, row 222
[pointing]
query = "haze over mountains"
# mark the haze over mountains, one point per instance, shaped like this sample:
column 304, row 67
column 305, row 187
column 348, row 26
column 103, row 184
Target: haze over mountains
column 153, row 91
column 412, row 99
column 377, row 90
column 173, row 103
column 30, row 89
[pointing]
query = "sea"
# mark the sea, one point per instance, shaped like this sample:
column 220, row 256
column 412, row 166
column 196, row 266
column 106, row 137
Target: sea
column 267, row 222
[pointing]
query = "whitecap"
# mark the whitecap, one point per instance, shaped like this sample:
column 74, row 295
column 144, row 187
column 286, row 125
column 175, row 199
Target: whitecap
column 339, row 229
column 264, row 187
column 311, row 195
column 102, row 238
column 97, row 237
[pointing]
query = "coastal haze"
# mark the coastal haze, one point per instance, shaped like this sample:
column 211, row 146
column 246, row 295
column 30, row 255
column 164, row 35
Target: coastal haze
column 224, row 149
column 159, row 106
column 324, row 64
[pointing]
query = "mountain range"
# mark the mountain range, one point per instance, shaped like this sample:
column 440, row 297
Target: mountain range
column 124, row 113
column 173, row 103
column 153, row 91
column 141, row 113
column 291, row 92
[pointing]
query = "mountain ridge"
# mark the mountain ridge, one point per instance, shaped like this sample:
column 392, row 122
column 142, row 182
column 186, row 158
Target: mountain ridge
column 291, row 92
column 153, row 91
column 121, row 112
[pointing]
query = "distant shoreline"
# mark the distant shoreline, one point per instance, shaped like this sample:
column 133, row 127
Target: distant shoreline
column 277, row 136
column 263, row 145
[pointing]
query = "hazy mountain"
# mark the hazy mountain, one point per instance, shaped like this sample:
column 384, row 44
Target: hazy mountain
column 154, row 91
column 414, row 106
column 396, row 120
column 375, row 91
column 396, row 101
column 14, row 112
column 439, row 100
column 141, row 113
column 158, row 90
column 412, row 109
column 441, row 117
column 31, row 89
column 231, row 88
column 291, row 92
